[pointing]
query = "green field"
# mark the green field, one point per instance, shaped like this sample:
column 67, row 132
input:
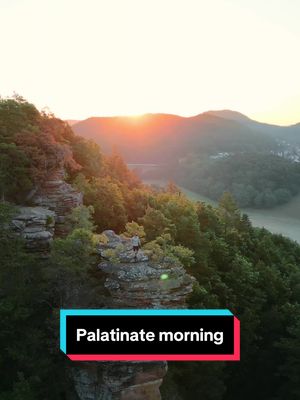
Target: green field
column 283, row 219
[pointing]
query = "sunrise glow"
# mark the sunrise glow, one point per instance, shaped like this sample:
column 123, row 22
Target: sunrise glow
column 130, row 57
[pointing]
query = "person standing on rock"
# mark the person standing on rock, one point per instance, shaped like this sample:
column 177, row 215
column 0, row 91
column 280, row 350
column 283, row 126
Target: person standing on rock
column 136, row 244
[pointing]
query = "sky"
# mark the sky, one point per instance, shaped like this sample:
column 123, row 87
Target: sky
column 83, row 58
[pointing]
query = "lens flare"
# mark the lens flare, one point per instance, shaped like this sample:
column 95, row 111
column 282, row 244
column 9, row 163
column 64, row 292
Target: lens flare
column 164, row 277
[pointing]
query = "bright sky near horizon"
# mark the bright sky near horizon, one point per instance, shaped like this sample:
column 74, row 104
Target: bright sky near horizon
column 117, row 57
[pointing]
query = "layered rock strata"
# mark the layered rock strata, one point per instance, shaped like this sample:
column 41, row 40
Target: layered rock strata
column 142, row 283
column 36, row 226
column 58, row 196
column 132, row 283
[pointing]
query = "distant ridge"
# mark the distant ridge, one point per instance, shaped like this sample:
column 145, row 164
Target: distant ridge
column 229, row 114
column 165, row 138
column 289, row 133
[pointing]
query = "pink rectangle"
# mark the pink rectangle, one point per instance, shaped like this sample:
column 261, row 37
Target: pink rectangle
column 152, row 357
column 167, row 357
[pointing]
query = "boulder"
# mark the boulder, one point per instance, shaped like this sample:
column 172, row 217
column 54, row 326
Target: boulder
column 36, row 226
column 122, row 246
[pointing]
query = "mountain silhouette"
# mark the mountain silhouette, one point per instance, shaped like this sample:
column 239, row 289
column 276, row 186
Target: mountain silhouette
column 163, row 138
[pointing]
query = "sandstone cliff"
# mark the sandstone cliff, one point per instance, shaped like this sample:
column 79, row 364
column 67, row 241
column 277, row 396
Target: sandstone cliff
column 57, row 195
column 53, row 201
column 132, row 284
column 129, row 283
column 36, row 226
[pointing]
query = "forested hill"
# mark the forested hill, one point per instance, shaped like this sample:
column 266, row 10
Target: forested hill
column 210, row 153
column 289, row 133
column 162, row 138
column 248, row 270
column 257, row 180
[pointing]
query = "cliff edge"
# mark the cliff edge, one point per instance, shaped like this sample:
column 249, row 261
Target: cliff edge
column 131, row 283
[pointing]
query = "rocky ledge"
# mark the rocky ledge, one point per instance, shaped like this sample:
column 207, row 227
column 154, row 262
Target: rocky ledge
column 131, row 283
column 36, row 226
column 143, row 283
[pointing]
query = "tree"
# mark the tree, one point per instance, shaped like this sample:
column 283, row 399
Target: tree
column 67, row 272
column 116, row 168
column 27, row 365
column 133, row 228
column 107, row 199
column 228, row 211
column 87, row 154
column 81, row 218
column 156, row 223
column 16, row 115
column 14, row 179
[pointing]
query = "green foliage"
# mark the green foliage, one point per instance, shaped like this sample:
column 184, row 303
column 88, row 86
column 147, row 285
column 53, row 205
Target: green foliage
column 154, row 251
column 155, row 223
column 260, row 180
column 17, row 115
column 49, row 221
column 133, row 228
column 179, row 218
column 107, row 200
column 14, row 179
column 81, row 218
column 102, row 238
column 116, row 168
column 111, row 255
column 136, row 201
column 183, row 254
column 289, row 348
column 87, row 154
column 7, row 211
column 250, row 271
column 163, row 248
column 31, row 145
column 27, row 365
column 75, row 251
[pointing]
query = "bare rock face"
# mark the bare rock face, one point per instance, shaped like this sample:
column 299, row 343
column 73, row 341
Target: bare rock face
column 54, row 200
column 36, row 226
column 58, row 196
column 122, row 246
column 119, row 381
column 141, row 283
column 132, row 283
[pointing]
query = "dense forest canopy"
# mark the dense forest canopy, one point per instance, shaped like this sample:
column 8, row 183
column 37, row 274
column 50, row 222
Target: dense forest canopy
column 250, row 271
column 210, row 153
column 260, row 180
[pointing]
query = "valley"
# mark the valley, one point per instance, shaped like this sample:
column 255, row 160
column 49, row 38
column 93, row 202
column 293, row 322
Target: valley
column 284, row 219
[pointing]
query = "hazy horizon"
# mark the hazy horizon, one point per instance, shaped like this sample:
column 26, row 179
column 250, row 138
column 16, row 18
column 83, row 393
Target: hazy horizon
column 139, row 116
column 117, row 57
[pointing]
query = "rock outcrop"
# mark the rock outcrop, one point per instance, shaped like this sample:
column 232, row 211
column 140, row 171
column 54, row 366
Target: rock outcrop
column 122, row 381
column 53, row 201
column 36, row 226
column 143, row 283
column 131, row 283
column 58, row 196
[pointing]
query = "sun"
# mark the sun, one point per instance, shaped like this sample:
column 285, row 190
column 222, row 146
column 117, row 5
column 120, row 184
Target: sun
column 135, row 119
